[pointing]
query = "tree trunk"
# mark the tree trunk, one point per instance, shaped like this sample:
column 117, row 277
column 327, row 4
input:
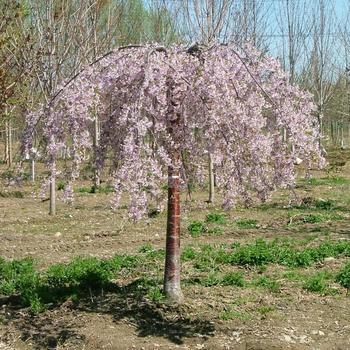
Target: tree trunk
column 172, row 288
column 97, row 180
column 32, row 169
column 10, row 143
column 52, row 196
column 211, row 180
column 6, row 142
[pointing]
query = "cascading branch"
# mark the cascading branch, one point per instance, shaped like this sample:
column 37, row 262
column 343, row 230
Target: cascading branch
column 161, row 106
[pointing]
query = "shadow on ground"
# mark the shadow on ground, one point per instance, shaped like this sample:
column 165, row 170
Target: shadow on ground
column 61, row 325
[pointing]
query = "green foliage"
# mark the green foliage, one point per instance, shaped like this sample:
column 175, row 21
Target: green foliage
column 265, row 309
column 61, row 185
column 216, row 231
column 233, row 279
column 268, row 283
column 247, row 223
column 217, row 218
column 318, row 283
column 325, row 204
column 196, row 228
column 343, row 277
column 20, row 277
column 151, row 252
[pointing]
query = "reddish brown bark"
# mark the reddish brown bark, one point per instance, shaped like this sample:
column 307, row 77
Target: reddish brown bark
column 172, row 286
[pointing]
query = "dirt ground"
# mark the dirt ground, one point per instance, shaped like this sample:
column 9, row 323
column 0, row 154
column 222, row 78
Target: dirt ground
column 298, row 319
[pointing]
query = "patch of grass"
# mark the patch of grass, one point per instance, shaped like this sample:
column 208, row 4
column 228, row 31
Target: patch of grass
column 343, row 277
column 265, row 309
column 60, row 281
column 318, row 283
column 312, row 218
column 268, row 283
column 216, row 231
column 329, row 180
column 196, row 228
column 155, row 294
column 151, row 252
column 247, row 223
column 11, row 194
column 325, row 204
column 233, row 279
column 230, row 314
column 61, row 185
column 216, row 218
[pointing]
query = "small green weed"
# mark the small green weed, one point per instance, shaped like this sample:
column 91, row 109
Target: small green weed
column 343, row 277
column 216, row 231
column 233, row 279
column 196, row 228
column 268, row 283
column 318, row 284
column 265, row 309
column 247, row 223
column 216, row 218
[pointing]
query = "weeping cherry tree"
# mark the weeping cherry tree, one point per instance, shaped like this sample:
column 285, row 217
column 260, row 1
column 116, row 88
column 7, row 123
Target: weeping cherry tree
column 160, row 106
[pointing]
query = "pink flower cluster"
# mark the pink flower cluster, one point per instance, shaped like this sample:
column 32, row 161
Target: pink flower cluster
column 229, row 102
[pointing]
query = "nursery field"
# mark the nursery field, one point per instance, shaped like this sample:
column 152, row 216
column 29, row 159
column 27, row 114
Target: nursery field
column 274, row 276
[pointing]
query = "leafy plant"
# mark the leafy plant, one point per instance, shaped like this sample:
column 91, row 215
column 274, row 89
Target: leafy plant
column 216, row 218
column 196, row 228
column 216, row 231
column 268, row 283
column 343, row 277
column 247, row 223
column 233, row 279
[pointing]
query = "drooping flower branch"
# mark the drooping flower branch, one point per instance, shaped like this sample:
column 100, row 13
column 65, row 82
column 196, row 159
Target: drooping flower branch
column 230, row 102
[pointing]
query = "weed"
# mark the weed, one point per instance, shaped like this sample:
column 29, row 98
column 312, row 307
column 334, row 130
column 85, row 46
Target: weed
column 268, row 283
column 196, row 228
column 230, row 314
column 216, row 218
column 155, row 294
column 325, row 204
column 61, row 185
column 343, row 277
column 247, row 223
column 317, row 283
column 265, row 309
column 216, row 231
column 233, row 279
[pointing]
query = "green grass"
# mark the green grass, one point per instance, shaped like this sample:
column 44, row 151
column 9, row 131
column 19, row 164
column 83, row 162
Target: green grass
column 268, row 283
column 319, row 283
column 196, row 228
column 216, row 231
column 247, row 223
column 343, row 277
column 216, row 218
column 83, row 276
